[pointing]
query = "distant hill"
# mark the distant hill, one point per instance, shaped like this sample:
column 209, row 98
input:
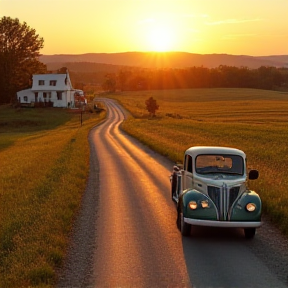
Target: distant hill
column 84, row 67
column 161, row 60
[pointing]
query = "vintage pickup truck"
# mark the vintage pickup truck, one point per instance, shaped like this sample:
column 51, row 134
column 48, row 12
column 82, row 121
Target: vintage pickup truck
column 210, row 189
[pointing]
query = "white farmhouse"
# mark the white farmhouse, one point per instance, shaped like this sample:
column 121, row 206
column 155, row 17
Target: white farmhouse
column 50, row 90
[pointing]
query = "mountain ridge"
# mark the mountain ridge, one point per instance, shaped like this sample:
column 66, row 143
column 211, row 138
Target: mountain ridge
column 169, row 59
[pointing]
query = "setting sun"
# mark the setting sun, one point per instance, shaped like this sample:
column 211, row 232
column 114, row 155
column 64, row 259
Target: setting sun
column 161, row 39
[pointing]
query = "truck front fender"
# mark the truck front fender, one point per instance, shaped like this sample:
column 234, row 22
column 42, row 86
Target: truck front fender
column 206, row 209
column 239, row 211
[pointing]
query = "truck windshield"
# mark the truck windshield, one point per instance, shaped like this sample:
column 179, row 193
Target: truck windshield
column 227, row 164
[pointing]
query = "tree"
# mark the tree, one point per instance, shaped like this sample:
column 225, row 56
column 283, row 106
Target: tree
column 19, row 52
column 123, row 76
column 110, row 83
column 62, row 70
column 151, row 106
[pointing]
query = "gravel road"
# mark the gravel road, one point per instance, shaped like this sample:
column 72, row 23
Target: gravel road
column 208, row 258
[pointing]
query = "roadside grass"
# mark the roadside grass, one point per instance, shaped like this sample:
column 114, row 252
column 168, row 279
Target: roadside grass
column 255, row 121
column 43, row 173
column 15, row 123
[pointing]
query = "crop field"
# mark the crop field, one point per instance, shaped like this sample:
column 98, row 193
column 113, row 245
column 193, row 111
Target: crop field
column 255, row 121
column 44, row 156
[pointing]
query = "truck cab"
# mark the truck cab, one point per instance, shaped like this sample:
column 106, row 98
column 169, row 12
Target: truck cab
column 210, row 189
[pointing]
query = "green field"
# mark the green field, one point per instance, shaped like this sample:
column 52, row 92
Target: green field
column 44, row 156
column 255, row 121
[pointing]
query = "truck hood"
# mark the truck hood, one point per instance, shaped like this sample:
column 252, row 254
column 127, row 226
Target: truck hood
column 220, row 179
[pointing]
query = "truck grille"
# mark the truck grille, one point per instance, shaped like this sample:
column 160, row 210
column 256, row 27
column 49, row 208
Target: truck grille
column 233, row 194
column 214, row 194
column 223, row 198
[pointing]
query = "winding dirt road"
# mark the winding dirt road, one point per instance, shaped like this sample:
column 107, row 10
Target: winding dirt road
column 126, row 234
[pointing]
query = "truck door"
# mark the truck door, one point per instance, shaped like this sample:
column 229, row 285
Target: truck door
column 188, row 172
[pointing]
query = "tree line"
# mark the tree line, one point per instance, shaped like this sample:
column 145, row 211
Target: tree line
column 264, row 77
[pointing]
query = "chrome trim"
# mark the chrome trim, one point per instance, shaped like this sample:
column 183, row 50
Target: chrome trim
column 224, row 200
column 211, row 223
column 220, row 196
column 176, row 199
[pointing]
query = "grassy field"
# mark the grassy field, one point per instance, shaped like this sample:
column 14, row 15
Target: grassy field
column 44, row 156
column 255, row 121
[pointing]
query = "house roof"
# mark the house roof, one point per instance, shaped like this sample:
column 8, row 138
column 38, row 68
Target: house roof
column 62, row 82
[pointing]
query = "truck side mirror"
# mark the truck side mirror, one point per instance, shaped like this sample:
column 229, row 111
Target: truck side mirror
column 253, row 174
column 176, row 168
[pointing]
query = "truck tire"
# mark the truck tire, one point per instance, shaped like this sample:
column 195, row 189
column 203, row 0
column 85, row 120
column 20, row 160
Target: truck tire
column 184, row 227
column 249, row 232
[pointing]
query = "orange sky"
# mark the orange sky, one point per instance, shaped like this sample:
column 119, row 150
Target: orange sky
column 238, row 27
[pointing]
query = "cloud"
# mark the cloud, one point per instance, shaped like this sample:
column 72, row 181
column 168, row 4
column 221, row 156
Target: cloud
column 232, row 21
column 192, row 15
column 235, row 36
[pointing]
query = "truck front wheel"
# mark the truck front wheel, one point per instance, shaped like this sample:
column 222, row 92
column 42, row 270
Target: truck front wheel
column 184, row 227
column 173, row 185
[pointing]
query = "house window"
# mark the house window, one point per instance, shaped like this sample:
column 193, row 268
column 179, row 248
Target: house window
column 44, row 95
column 59, row 95
column 25, row 98
column 49, row 95
column 53, row 82
column 41, row 82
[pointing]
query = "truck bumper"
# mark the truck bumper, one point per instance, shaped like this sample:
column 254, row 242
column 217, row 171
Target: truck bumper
column 227, row 224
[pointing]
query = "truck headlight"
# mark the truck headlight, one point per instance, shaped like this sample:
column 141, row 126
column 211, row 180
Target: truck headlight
column 251, row 207
column 192, row 205
column 204, row 204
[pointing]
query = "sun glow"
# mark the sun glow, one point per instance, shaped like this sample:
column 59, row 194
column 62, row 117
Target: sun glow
column 161, row 39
